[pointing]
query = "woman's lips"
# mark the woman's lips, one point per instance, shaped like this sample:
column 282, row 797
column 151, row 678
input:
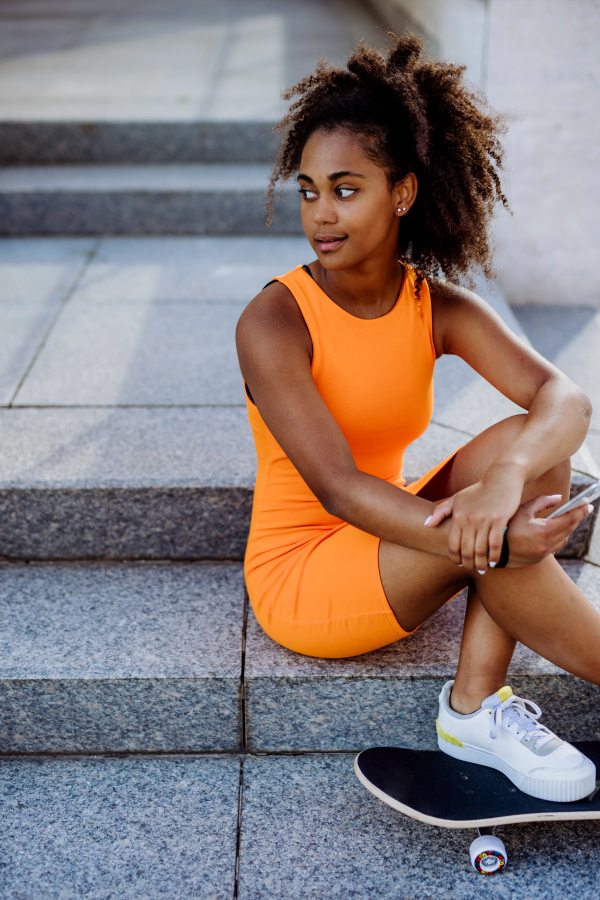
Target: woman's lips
column 329, row 242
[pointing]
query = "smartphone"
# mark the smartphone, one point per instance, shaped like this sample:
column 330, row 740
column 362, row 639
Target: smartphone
column 590, row 494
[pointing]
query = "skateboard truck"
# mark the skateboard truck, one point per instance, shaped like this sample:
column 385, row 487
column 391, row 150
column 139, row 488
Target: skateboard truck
column 488, row 853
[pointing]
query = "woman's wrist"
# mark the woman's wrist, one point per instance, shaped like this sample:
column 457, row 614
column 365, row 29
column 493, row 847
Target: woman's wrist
column 512, row 471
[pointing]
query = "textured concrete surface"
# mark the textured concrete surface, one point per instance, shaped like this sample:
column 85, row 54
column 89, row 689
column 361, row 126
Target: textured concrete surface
column 146, row 62
column 570, row 338
column 35, row 279
column 111, row 658
column 134, row 353
column 187, row 268
column 34, row 143
column 90, row 448
column 160, row 829
column 310, row 830
column 544, row 72
column 296, row 702
column 167, row 199
column 150, row 483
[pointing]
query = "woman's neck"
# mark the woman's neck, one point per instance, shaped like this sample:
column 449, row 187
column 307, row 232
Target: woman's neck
column 367, row 291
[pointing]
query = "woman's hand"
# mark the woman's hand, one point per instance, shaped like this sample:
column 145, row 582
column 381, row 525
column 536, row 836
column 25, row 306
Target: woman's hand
column 480, row 513
column 530, row 539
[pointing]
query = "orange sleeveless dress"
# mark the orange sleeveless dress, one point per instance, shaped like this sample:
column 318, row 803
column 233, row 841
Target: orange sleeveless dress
column 313, row 579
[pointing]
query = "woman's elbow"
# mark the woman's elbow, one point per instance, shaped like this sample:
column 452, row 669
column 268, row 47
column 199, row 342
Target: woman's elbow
column 336, row 497
column 585, row 407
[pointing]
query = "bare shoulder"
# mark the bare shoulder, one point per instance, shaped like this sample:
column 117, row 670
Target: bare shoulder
column 458, row 311
column 271, row 325
column 274, row 304
column 447, row 297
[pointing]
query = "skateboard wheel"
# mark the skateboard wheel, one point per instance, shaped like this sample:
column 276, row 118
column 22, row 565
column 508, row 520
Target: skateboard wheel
column 488, row 854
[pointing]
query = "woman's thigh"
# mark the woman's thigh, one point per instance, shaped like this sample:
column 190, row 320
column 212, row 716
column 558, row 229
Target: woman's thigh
column 474, row 459
column 417, row 584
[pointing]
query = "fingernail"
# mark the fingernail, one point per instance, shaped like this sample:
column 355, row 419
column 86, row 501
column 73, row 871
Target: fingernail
column 460, row 565
column 590, row 507
column 428, row 520
column 481, row 571
column 492, row 565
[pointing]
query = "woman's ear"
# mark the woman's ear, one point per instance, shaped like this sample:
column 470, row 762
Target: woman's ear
column 405, row 193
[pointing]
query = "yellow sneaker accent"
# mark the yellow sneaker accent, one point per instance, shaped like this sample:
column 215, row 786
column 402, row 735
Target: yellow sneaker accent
column 504, row 693
column 446, row 736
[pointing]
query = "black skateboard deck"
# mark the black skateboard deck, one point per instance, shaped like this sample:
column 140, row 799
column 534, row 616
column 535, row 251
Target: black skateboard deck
column 437, row 789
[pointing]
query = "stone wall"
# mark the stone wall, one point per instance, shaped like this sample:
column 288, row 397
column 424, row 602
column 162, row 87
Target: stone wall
column 539, row 63
column 543, row 68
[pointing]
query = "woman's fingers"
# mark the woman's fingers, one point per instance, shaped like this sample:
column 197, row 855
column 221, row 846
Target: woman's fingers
column 454, row 544
column 467, row 547
column 440, row 512
column 482, row 542
column 495, row 541
column 543, row 501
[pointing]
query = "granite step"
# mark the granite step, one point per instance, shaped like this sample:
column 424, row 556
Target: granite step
column 121, row 658
column 124, row 429
column 39, row 143
column 389, row 697
column 167, row 658
column 182, row 198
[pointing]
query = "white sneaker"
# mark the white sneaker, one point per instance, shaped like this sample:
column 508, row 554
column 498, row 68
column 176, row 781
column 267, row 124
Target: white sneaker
column 505, row 735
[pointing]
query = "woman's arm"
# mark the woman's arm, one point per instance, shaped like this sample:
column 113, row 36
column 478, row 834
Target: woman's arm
column 557, row 422
column 274, row 350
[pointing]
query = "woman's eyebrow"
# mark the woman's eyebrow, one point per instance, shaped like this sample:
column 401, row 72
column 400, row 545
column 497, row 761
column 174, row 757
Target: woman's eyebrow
column 333, row 177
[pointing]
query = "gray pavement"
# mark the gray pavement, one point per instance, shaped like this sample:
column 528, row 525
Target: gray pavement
column 287, row 828
column 183, row 61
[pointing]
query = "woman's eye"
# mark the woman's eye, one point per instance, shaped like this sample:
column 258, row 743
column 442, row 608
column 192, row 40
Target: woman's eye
column 307, row 193
column 346, row 192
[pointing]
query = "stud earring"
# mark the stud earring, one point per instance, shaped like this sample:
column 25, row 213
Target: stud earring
column 401, row 210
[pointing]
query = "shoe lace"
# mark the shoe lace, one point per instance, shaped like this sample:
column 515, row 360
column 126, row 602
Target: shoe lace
column 521, row 721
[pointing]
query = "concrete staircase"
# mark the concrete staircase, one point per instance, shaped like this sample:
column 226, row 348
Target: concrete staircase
column 125, row 439
column 126, row 479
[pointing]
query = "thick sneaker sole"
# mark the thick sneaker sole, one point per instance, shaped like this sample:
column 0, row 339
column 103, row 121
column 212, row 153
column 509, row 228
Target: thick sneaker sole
column 579, row 782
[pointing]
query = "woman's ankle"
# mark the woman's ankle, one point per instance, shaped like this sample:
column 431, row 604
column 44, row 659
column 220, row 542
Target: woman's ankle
column 467, row 699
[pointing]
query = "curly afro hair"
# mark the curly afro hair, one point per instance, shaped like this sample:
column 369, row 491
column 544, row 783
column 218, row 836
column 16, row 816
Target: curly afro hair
column 415, row 115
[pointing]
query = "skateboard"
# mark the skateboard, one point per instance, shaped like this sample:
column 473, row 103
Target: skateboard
column 437, row 789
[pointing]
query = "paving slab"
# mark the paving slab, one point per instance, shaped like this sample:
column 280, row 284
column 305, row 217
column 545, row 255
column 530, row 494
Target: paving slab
column 569, row 336
column 310, row 830
column 161, row 829
column 162, row 353
column 188, row 268
column 145, row 62
column 191, row 198
column 389, row 697
column 120, row 658
column 35, row 280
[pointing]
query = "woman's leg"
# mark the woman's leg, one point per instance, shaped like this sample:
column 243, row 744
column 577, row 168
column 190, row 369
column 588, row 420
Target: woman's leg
column 538, row 605
column 485, row 653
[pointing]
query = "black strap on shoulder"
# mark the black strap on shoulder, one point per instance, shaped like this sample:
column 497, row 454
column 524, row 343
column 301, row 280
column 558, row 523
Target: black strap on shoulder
column 308, row 272
column 272, row 281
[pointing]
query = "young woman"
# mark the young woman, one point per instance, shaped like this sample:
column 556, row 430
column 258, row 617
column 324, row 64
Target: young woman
column 397, row 166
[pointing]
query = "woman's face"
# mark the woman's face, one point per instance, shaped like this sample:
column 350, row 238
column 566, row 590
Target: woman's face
column 349, row 209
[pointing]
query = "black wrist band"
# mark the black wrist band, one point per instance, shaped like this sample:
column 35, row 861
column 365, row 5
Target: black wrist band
column 501, row 564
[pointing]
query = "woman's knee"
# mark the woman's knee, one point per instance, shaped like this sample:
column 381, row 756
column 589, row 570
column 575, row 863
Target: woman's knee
column 556, row 480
